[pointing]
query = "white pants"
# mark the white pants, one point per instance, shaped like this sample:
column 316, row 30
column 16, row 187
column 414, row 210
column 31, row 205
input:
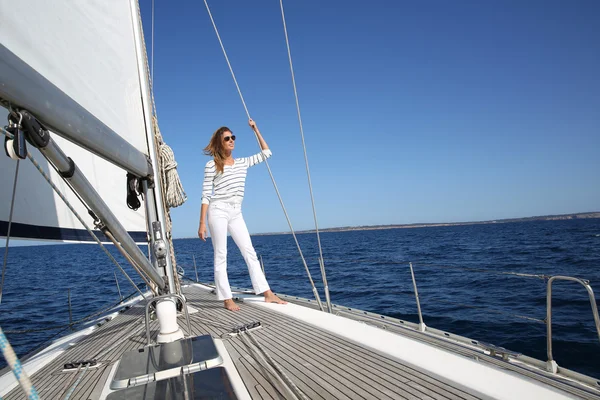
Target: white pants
column 223, row 217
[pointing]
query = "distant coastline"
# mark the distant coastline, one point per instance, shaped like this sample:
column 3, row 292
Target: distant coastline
column 585, row 215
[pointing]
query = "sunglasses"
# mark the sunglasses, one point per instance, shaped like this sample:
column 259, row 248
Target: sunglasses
column 226, row 138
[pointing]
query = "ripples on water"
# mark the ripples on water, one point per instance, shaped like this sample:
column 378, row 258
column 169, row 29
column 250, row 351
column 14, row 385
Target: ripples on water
column 366, row 270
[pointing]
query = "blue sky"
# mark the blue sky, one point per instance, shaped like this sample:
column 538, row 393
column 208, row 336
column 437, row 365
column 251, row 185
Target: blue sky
column 430, row 111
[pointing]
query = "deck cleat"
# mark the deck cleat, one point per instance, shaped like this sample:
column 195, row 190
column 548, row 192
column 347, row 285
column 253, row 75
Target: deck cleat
column 250, row 326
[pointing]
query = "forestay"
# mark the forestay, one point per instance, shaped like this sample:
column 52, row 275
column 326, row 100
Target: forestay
column 87, row 50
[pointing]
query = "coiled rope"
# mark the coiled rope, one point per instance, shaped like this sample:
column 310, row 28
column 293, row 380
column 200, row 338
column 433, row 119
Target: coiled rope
column 175, row 195
column 312, row 283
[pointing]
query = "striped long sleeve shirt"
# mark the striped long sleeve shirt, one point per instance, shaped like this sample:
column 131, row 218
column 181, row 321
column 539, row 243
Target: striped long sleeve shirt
column 229, row 186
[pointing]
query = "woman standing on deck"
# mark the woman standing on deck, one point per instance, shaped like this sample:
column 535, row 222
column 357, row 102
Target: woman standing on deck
column 222, row 195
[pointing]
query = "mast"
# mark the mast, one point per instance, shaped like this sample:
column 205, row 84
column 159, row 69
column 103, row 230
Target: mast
column 154, row 200
column 80, row 70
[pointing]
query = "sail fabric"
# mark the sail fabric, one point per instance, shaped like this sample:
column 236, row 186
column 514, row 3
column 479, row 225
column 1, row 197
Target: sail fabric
column 40, row 213
column 87, row 49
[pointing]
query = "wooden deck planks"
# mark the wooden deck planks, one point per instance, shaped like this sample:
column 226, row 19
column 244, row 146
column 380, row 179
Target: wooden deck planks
column 337, row 368
column 321, row 364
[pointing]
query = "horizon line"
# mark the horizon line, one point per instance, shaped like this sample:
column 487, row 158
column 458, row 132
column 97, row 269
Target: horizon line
column 583, row 215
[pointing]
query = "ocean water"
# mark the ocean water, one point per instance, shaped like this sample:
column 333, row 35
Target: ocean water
column 460, row 273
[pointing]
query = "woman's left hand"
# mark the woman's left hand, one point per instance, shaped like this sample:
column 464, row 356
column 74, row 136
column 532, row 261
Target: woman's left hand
column 252, row 124
column 202, row 232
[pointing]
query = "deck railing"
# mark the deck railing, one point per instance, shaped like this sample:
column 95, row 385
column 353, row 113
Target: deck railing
column 551, row 363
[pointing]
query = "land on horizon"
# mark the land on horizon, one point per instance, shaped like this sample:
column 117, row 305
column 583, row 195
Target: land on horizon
column 584, row 215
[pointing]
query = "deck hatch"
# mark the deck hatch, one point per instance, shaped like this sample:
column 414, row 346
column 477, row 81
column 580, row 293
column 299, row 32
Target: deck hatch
column 157, row 362
column 210, row 384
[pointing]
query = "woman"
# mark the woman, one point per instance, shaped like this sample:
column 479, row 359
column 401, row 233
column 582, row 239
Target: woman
column 222, row 195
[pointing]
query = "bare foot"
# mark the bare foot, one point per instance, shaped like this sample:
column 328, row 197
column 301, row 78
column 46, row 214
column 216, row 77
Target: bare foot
column 230, row 305
column 271, row 298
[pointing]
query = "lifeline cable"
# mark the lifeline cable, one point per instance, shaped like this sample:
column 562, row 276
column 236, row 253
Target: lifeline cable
column 68, row 204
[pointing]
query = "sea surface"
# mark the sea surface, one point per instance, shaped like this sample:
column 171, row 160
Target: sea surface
column 460, row 272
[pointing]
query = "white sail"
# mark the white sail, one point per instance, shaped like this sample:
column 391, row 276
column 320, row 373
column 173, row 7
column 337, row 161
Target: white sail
column 86, row 49
column 39, row 213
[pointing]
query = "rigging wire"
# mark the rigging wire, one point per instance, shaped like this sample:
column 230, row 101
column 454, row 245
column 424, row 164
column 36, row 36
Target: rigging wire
column 314, row 289
column 68, row 204
column 12, row 205
column 152, row 49
column 312, row 197
column 66, row 326
column 172, row 194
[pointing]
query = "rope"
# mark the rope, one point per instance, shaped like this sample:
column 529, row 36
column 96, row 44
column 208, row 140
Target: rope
column 17, row 369
column 227, row 59
column 175, row 195
column 277, row 367
column 168, row 221
column 291, row 394
column 81, row 374
column 68, row 204
column 312, row 197
column 68, row 383
column 12, row 205
column 316, row 294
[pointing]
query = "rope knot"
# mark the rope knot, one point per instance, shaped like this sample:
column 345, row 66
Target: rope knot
column 169, row 165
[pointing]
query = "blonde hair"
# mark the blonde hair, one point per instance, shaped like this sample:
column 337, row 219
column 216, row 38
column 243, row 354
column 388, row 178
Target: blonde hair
column 215, row 148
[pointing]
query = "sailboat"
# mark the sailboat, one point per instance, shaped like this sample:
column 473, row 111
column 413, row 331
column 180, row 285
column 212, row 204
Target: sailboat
column 75, row 85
